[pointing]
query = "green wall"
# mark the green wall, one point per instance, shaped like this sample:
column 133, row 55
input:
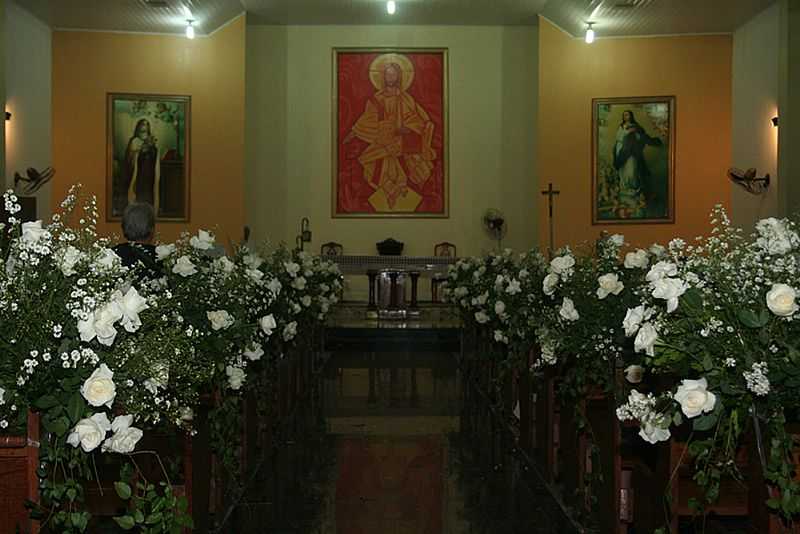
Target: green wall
column 493, row 106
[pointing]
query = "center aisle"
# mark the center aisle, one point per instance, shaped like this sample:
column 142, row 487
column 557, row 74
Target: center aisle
column 392, row 397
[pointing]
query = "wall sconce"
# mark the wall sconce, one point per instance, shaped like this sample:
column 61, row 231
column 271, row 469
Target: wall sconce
column 775, row 121
column 8, row 115
column 305, row 233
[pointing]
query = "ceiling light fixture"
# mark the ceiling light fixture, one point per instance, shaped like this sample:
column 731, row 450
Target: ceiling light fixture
column 190, row 29
column 589, row 33
column 391, row 7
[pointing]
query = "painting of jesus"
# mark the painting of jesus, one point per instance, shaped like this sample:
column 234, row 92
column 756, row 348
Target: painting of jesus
column 390, row 133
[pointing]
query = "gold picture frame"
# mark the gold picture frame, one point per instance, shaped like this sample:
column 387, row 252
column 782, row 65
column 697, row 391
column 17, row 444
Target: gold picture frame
column 148, row 154
column 633, row 160
column 402, row 173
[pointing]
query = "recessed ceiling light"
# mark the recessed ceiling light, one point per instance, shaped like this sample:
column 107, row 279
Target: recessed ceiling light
column 190, row 29
column 391, row 7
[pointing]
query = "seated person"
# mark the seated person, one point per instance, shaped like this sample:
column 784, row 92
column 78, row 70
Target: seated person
column 138, row 227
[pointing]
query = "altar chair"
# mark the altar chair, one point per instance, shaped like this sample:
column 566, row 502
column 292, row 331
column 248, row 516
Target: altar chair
column 447, row 250
column 331, row 248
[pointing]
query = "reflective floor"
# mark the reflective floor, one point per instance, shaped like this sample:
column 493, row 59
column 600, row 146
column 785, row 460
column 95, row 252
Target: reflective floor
column 391, row 404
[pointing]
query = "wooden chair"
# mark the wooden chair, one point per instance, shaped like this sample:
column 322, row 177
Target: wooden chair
column 443, row 249
column 331, row 248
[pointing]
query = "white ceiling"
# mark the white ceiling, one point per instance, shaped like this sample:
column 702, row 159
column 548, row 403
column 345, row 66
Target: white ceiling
column 611, row 17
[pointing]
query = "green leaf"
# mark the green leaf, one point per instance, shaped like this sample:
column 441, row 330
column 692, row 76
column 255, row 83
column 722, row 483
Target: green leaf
column 125, row 522
column 152, row 519
column 46, row 401
column 138, row 516
column 708, row 363
column 58, row 426
column 677, row 419
column 705, row 422
column 71, row 494
column 692, row 300
column 123, row 490
column 76, row 407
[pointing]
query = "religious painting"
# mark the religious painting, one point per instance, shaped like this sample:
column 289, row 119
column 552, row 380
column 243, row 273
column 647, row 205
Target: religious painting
column 148, row 154
column 633, row 160
column 390, row 156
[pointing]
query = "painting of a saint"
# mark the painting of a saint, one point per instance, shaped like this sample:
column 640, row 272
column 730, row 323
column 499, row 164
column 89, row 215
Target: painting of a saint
column 633, row 156
column 148, row 154
column 390, row 133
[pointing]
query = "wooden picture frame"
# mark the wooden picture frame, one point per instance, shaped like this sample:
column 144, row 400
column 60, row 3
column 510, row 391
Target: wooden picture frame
column 633, row 160
column 148, row 154
column 385, row 162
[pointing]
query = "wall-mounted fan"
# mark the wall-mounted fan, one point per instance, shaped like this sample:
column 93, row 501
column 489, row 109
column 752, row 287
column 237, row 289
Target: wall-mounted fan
column 495, row 225
column 748, row 180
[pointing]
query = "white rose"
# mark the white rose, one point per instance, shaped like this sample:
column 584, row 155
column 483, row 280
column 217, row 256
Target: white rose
column 306, row 301
column 609, row 285
column 568, row 310
column 660, row 270
column 219, row 319
column 202, row 241
column 514, row 287
column 669, row 289
column 165, row 251
column 187, row 414
column 225, row 265
column 499, row 307
column 617, row 239
column 184, row 267
column 254, row 352
column 121, row 422
column 562, row 264
column 481, row 317
column 253, row 261
column 634, row 373
column 636, row 260
column 89, row 433
column 275, row 286
column 653, row 433
column 299, row 283
column 131, row 305
column 69, row 259
column 781, row 300
column 255, row 274
column 235, row 377
column 292, row 268
column 657, row 250
column 123, row 441
column 499, row 337
column 268, row 324
column 633, row 319
column 100, row 324
column 482, row 298
column 32, row 232
column 289, row 331
column 549, row 284
column 646, row 339
column 99, row 388
column 694, row 397
column 108, row 259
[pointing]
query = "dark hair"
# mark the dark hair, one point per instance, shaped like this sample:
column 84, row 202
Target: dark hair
column 138, row 221
column 633, row 117
column 138, row 124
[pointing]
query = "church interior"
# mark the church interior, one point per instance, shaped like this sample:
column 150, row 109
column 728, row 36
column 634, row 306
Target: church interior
column 404, row 266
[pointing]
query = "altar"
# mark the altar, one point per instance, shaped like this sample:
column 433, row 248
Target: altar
column 388, row 277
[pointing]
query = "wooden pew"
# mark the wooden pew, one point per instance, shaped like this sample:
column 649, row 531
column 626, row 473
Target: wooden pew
column 19, row 459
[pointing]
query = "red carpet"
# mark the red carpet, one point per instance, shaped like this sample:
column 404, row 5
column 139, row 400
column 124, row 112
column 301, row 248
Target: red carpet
column 389, row 485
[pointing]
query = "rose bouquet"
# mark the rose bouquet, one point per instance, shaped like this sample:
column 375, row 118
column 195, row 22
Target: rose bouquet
column 717, row 320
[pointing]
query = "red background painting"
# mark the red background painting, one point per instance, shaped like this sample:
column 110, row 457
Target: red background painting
column 354, row 89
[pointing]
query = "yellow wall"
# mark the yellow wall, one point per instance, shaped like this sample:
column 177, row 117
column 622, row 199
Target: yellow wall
column 696, row 69
column 88, row 65
column 492, row 97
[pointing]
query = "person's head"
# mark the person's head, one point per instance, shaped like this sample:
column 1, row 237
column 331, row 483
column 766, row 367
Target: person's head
column 392, row 75
column 139, row 222
column 142, row 130
column 627, row 117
